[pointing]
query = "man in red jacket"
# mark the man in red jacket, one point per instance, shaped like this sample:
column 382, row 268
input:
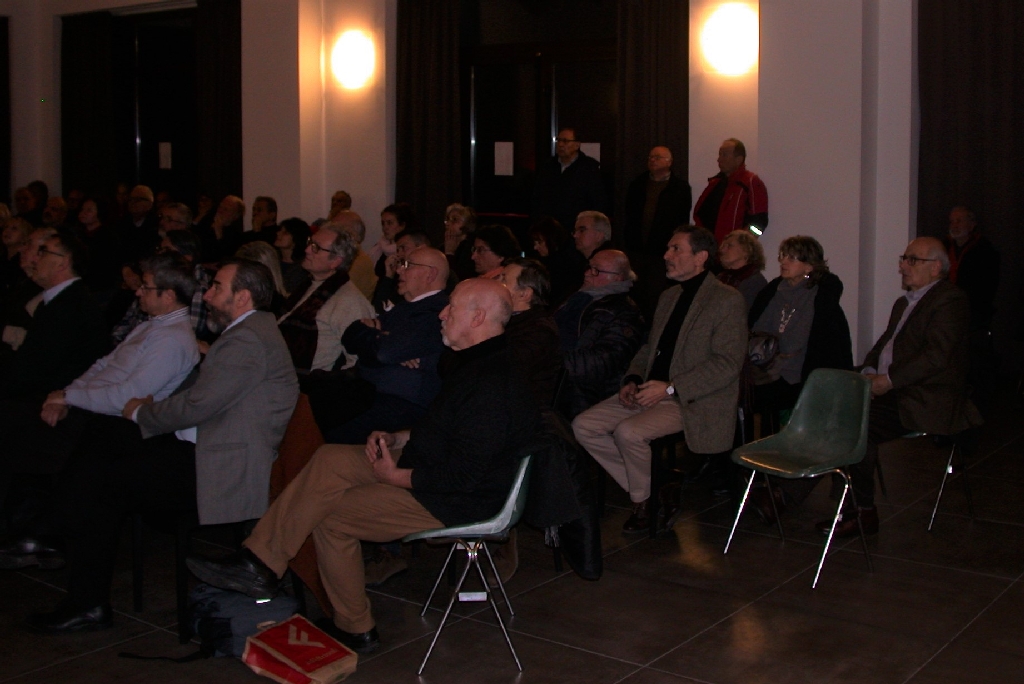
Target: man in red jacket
column 735, row 199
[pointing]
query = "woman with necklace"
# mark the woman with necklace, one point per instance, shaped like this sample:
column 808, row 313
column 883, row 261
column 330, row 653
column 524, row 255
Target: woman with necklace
column 801, row 308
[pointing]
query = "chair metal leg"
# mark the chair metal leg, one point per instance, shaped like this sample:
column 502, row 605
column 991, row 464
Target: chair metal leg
column 739, row 511
column 471, row 558
column 881, row 477
column 494, row 606
column 832, row 530
column 775, row 509
column 497, row 578
column 433, row 590
column 945, row 476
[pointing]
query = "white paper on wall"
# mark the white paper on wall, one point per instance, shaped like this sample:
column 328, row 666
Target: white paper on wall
column 504, row 153
column 591, row 150
column 165, row 155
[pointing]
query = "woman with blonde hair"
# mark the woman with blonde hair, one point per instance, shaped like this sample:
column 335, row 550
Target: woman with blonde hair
column 262, row 252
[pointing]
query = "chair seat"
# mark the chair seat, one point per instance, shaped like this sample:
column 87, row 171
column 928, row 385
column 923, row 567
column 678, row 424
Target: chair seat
column 797, row 456
column 486, row 529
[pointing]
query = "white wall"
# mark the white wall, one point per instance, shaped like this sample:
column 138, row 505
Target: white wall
column 834, row 133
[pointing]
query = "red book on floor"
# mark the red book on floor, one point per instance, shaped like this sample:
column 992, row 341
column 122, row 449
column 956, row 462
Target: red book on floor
column 296, row 652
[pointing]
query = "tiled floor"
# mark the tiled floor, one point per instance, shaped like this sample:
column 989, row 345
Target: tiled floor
column 940, row 606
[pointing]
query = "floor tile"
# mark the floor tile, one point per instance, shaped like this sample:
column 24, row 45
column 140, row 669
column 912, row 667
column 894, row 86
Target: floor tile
column 961, row 663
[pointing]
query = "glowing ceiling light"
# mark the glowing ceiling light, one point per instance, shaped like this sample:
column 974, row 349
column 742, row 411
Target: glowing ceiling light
column 729, row 39
column 353, row 59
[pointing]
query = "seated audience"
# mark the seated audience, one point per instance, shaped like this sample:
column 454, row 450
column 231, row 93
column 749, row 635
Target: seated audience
column 260, row 251
column 600, row 329
column 154, row 360
column 137, row 230
column 918, row 372
column 555, row 248
column 317, row 316
column 456, row 466
column 394, row 219
column 801, row 309
column 224, row 234
column 492, row 245
column 14, row 236
column 26, row 207
column 459, row 226
column 532, row 332
column 340, row 201
column 361, row 270
column 742, row 259
column 107, row 250
column 23, row 298
column 292, row 238
column 55, row 213
column 264, row 219
column 384, row 295
column 685, row 378
column 207, row 449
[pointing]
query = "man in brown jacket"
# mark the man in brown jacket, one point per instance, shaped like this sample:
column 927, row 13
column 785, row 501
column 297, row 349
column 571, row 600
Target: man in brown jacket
column 918, row 370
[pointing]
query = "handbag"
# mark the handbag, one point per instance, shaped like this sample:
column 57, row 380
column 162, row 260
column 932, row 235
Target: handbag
column 762, row 348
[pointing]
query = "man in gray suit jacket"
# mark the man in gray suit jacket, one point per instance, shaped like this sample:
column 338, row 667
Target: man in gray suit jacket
column 208, row 448
column 686, row 378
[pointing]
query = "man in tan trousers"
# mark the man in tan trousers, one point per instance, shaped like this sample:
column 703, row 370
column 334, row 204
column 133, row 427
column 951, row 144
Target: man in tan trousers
column 455, row 466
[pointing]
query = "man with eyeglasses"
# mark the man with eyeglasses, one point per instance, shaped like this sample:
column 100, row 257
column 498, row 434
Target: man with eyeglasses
column 385, row 295
column 154, row 360
column 918, row 372
column 568, row 183
column 600, row 329
column 317, row 316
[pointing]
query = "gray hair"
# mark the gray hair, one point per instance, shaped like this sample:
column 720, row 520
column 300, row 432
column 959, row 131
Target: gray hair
column 265, row 254
column 534, row 275
column 170, row 271
column 344, row 244
column 601, row 222
column 701, row 239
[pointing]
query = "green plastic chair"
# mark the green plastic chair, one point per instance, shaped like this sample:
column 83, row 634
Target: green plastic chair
column 472, row 538
column 827, row 432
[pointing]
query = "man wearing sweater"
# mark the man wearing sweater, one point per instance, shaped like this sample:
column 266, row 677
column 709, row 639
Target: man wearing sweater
column 455, row 466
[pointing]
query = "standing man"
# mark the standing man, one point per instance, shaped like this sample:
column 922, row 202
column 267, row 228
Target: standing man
column 208, row 448
column 686, row 378
column 735, row 198
column 568, row 183
column 657, row 203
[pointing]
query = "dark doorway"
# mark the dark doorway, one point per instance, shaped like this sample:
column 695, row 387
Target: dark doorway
column 5, row 112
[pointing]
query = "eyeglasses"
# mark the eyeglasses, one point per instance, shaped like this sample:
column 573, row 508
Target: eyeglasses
column 405, row 263
column 150, row 287
column 42, row 250
column 315, row 247
column 594, row 270
column 913, row 260
column 657, row 156
column 482, row 250
column 565, row 140
column 787, row 257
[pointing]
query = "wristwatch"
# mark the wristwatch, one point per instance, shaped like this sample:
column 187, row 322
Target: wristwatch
column 670, row 390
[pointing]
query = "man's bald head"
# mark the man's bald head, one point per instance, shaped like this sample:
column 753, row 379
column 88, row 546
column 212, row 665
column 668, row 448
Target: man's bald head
column 423, row 270
column 352, row 223
column 478, row 310
column 924, row 261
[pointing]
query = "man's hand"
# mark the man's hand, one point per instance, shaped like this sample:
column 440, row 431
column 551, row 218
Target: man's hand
column 627, row 395
column 384, row 467
column 651, row 392
column 373, row 448
column 391, row 266
column 53, row 413
column 371, row 323
column 411, row 363
column 880, row 384
column 133, row 404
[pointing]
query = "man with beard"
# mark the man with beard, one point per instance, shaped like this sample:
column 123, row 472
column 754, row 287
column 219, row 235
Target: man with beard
column 207, row 449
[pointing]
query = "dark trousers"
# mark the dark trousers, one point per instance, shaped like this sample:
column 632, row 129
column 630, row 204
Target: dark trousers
column 156, row 474
column 883, row 426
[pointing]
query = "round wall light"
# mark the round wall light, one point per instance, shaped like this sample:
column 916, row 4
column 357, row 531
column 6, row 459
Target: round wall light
column 729, row 39
column 353, row 59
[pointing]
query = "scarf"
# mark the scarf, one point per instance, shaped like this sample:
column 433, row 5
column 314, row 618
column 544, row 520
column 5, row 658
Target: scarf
column 299, row 326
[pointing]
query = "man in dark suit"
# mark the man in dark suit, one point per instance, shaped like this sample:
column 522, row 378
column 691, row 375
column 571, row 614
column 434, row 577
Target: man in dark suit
column 208, row 448
column 918, row 370
column 568, row 183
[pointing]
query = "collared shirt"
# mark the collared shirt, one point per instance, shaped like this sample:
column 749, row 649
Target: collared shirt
column 424, row 296
column 913, row 297
column 49, row 294
column 154, row 359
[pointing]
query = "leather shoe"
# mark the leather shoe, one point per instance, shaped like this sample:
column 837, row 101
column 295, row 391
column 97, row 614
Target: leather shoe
column 242, row 571
column 847, row 526
column 638, row 522
column 28, row 553
column 67, row 619
column 363, row 643
column 763, row 505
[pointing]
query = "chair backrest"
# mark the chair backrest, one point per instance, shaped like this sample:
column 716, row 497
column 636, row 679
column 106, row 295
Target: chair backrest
column 512, row 511
column 831, row 415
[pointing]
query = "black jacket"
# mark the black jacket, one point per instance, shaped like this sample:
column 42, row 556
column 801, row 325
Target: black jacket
column 533, row 337
column 829, row 344
column 563, row 195
column 673, row 210
column 609, row 331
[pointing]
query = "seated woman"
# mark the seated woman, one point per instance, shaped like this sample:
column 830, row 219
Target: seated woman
column 459, row 226
column 292, row 236
column 742, row 260
column 800, row 308
column 394, row 218
column 492, row 245
column 555, row 249
column 268, row 256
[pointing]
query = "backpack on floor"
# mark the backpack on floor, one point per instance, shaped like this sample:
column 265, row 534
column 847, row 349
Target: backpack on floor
column 224, row 619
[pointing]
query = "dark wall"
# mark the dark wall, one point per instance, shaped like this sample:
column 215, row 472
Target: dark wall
column 5, row 113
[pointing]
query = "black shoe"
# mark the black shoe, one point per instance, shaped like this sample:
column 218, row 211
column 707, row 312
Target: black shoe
column 242, row 571
column 29, row 553
column 364, row 643
column 67, row 619
column 638, row 522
